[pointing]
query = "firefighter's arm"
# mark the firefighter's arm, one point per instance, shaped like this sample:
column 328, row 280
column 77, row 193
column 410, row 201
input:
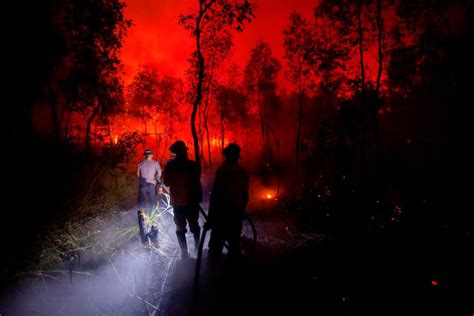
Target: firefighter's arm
column 159, row 179
column 158, row 173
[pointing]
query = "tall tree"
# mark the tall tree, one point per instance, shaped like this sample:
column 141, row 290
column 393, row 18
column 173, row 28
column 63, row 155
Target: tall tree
column 347, row 27
column 260, row 79
column 231, row 108
column 298, row 47
column 219, row 14
column 88, row 78
column 171, row 96
column 154, row 97
column 380, row 32
column 216, row 48
column 143, row 95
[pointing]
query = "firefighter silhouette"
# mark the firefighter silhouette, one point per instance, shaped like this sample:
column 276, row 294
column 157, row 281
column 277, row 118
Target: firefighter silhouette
column 229, row 198
column 183, row 179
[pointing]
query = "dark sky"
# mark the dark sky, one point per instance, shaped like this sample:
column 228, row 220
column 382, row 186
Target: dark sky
column 157, row 39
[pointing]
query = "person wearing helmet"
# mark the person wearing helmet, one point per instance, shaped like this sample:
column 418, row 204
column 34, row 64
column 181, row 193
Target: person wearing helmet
column 183, row 179
column 229, row 198
column 149, row 174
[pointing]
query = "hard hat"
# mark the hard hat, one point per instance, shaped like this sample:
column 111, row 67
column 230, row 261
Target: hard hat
column 232, row 151
column 178, row 147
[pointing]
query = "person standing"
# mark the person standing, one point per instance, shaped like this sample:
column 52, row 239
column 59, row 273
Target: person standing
column 182, row 176
column 149, row 174
column 229, row 198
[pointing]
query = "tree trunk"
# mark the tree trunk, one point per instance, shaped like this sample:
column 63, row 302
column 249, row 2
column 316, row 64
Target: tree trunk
column 198, row 97
column 206, row 107
column 361, row 45
column 142, row 114
column 66, row 127
column 201, row 136
column 299, row 121
column 196, row 103
column 222, row 134
column 379, row 78
column 262, row 119
column 87, row 141
column 54, row 118
column 197, row 100
column 379, row 42
column 206, row 127
column 156, row 137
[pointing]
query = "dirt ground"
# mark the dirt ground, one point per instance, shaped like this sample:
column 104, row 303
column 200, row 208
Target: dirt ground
column 286, row 273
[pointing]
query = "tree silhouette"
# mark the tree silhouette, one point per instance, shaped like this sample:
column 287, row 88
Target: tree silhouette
column 231, row 107
column 260, row 79
column 157, row 98
column 171, row 97
column 143, row 95
column 87, row 79
column 222, row 15
column 216, row 47
column 298, row 44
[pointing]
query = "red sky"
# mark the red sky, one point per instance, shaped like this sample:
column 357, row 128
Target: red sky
column 157, row 39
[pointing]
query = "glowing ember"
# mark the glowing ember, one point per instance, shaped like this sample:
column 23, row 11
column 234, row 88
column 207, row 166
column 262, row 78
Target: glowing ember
column 115, row 139
column 434, row 283
column 269, row 196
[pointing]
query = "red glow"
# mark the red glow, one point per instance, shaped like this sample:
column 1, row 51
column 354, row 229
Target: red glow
column 434, row 283
column 157, row 39
column 269, row 196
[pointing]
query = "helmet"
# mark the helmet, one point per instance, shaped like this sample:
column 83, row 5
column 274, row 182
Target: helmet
column 232, row 151
column 178, row 147
column 148, row 152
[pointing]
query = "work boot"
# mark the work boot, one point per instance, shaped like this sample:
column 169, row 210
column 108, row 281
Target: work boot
column 182, row 244
column 197, row 235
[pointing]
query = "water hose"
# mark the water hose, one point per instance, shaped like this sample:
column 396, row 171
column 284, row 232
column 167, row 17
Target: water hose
column 198, row 270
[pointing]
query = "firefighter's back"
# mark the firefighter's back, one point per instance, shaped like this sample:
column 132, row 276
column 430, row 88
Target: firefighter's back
column 182, row 177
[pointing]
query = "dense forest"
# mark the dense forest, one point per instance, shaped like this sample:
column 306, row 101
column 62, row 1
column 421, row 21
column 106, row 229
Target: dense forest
column 360, row 130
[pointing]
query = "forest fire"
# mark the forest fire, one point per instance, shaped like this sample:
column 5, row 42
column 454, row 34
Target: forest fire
column 328, row 124
column 155, row 105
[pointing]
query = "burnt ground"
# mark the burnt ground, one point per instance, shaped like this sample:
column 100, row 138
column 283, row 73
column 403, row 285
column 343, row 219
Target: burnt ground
column 289, row 273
